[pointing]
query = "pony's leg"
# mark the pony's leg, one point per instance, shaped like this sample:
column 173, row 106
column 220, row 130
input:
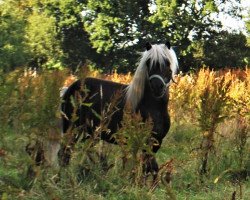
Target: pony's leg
column 36, row 151
column 64, row 154
column 150, row 165
column 71, row 132
column 160, row 129
column 64, row 151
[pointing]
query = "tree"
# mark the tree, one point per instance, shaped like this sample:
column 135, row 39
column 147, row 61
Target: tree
column 42, row 40
column 109, row 33
column 189, row 22
column 119, row 28
column 13, row 51
column 73, row 38
column 229, row 50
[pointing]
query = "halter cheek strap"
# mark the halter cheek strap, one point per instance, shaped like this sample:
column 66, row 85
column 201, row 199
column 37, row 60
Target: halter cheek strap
column 165, row 85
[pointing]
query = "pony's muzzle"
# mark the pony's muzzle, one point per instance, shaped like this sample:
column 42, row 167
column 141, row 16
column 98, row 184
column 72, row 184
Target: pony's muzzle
column 158, row 86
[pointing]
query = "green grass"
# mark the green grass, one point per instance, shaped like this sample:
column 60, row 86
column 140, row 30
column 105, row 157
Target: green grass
column 116, row 183
column 30, row 116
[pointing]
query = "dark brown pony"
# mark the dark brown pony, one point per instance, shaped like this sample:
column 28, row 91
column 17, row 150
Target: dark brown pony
column 147, row 94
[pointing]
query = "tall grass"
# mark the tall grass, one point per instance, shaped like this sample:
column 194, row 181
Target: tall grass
column 209, row 138
column 218, row 104
column 29, row 105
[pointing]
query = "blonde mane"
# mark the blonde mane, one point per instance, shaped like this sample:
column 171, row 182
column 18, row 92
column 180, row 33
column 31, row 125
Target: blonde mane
column 158, row 53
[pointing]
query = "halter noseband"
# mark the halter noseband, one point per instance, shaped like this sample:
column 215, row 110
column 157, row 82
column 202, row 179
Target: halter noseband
column 165, row 85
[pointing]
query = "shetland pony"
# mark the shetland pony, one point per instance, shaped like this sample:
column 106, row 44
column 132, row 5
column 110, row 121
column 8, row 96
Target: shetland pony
column 147, row 94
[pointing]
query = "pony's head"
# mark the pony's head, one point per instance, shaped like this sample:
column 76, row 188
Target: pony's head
column 157, row 67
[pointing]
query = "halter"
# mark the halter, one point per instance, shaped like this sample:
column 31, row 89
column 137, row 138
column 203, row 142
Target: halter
column 165, row 85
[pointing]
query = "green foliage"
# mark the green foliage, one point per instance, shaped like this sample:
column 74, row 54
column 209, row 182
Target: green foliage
column 224, row 49
column 41, row 37
column 117, row 29
column 181, row 22
column 72, row 37
column 109, row 33
column 101, row 37
column 188, row 22
column 13, row 50
column 118, row 22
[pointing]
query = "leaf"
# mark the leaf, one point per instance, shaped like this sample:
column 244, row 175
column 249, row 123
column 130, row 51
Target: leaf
column 96, row 114
column 87, row 104
column 216, row 180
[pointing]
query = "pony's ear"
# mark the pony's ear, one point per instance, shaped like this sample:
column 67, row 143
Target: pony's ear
column 148, row 46
column 168, row 44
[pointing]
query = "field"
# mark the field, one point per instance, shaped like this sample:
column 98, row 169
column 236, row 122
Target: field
column 204, row 156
